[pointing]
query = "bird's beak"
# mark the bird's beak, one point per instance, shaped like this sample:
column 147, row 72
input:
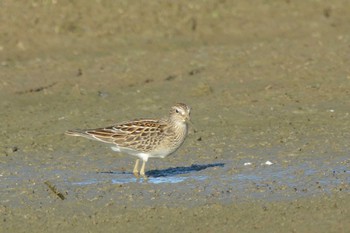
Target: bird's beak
column 188, row 119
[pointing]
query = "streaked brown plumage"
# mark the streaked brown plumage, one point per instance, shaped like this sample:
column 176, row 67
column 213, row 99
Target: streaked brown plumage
column 144, row 138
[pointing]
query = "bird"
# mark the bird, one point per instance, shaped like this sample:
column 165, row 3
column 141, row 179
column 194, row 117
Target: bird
column 144, row 138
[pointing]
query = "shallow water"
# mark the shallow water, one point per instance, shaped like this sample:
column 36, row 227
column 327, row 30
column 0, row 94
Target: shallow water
column 200, row 183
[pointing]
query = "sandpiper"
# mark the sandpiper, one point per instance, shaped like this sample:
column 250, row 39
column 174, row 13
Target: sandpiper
column 144, row 138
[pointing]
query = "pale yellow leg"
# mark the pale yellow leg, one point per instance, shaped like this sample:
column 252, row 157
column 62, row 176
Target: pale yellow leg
column 142, row 171
column 136, row 168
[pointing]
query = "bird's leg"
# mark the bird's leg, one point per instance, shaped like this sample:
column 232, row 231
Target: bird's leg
column 142, row 171
column 136, row 168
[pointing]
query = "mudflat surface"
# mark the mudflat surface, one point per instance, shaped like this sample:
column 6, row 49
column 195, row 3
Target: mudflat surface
column 268, row 82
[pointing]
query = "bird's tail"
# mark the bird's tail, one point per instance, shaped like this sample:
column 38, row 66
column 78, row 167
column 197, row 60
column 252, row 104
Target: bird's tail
column 77, row 132
column 93, row 134
column 86, row 133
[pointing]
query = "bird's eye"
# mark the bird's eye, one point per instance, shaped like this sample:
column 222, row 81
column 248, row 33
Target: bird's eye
column 177, row 111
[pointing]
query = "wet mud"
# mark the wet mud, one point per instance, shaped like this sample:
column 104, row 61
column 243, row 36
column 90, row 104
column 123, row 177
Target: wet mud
column 268, row 147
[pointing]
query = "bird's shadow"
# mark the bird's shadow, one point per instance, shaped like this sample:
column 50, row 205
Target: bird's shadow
column 173, row 171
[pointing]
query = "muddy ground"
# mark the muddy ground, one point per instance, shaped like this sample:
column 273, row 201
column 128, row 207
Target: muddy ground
column 268, row 81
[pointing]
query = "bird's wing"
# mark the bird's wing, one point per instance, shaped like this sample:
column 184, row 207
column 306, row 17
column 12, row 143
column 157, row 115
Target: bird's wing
column 139, row 134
